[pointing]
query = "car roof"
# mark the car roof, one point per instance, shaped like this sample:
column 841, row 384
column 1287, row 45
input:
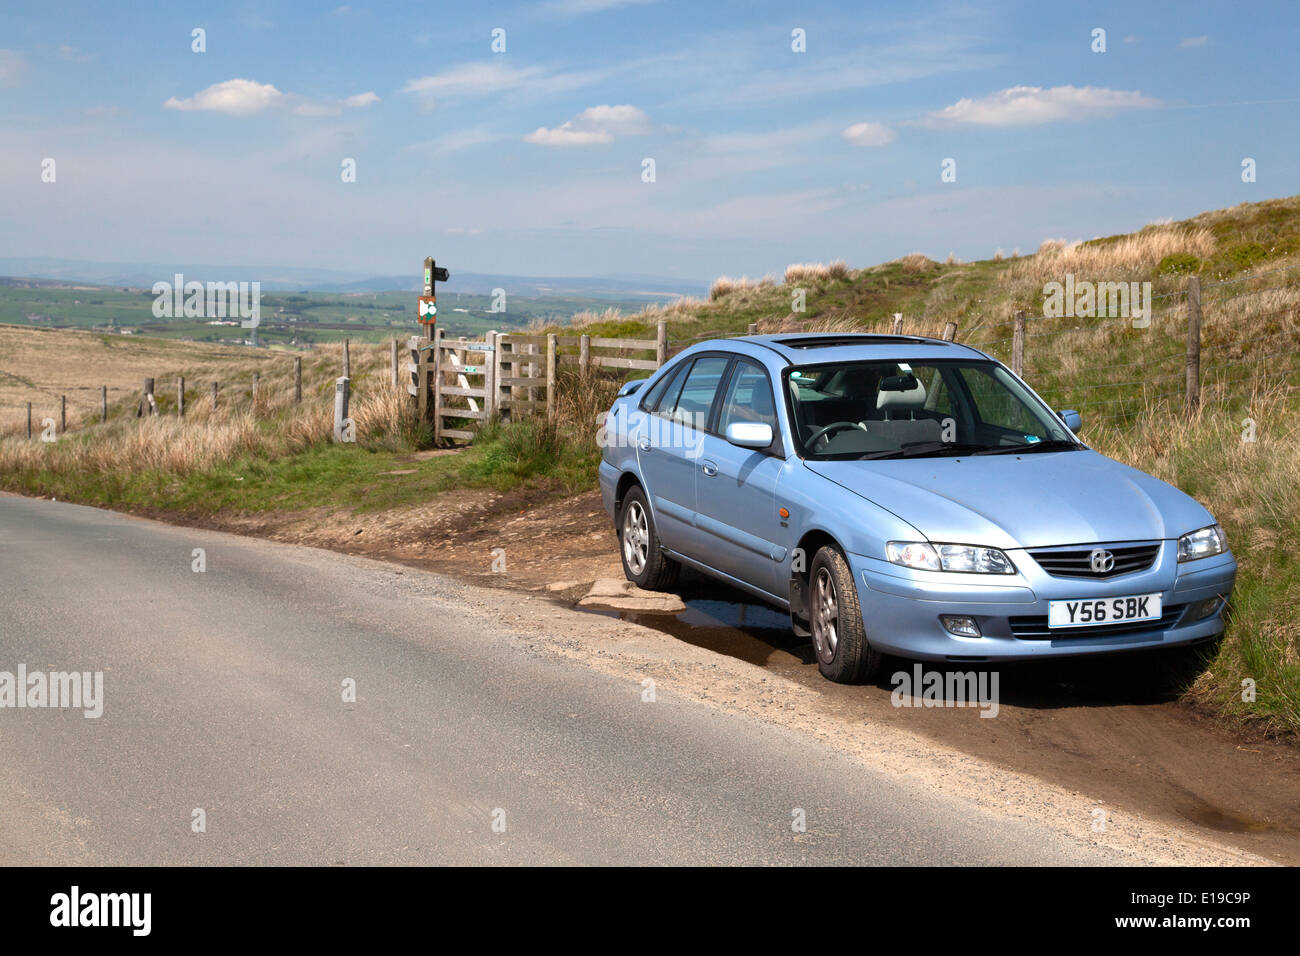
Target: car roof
column 805, row 348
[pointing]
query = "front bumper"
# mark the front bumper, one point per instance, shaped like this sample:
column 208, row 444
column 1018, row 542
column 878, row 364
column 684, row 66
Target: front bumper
column 901, row 608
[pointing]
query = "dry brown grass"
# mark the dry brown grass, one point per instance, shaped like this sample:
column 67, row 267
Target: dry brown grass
column 815, row 272
column 39, row 365
column 917, row 262
column 275, row 426
column 1137, row 253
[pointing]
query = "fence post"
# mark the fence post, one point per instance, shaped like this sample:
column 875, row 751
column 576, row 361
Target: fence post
column 395, row 382
column 1193, row 344
column 29, row 419
column 347, row 360
column 147, row 401
column 63, row 414
column 950, row 332
column 103, row 404
column 435, row 380
column 584, row 354
column 489, row 377
column 180, row 396
column 256, row 377
column 661, row 342
column 214, row 396
column 341, row 389
column 753, row 328
column 297, row 378
column 552, row 346
column 501, row 403
column 898, row 323
column 1018, row 345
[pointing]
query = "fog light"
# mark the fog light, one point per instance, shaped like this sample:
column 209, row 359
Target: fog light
column 1203, row 609
column 960, row 625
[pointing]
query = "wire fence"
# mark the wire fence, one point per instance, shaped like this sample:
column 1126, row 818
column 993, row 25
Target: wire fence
column 1217, row 342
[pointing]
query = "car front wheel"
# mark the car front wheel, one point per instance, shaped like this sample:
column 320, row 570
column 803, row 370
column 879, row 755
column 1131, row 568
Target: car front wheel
column 838, row 633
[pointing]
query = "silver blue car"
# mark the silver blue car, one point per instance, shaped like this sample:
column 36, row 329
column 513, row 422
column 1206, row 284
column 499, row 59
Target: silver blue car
column 903, row 495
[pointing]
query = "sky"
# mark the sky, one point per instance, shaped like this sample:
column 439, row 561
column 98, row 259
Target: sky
column 514, row 138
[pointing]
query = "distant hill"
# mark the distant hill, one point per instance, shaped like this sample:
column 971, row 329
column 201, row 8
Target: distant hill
column 292, row 279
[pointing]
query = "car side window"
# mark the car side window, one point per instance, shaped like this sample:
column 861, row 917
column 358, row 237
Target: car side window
column 749, row 397
column 698, row 390
column 995, row 405
column 662, row 387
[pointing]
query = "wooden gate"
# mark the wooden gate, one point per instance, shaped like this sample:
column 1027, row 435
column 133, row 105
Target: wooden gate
column 459, row 384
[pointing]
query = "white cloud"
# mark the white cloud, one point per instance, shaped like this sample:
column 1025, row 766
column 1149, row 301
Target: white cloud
column 594, row 125
column 1189, row 42
column 236, row 97
column 241, row 97
column 12, row 66
column 1032, row 105
column 869, row 134
column 492, row 77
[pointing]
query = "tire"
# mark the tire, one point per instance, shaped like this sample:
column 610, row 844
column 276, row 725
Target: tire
column 839, row 635
column 644, row 562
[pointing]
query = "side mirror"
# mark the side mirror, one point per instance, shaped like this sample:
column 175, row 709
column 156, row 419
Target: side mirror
column 749, row 434
column 630, row 387
column 1071, row 419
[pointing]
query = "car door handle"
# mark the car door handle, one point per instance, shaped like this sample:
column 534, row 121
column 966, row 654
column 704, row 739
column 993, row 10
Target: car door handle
column 709, row 468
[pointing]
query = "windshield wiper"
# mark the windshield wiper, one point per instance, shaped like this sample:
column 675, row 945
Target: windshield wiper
column 920, row 449
column 1051, row 444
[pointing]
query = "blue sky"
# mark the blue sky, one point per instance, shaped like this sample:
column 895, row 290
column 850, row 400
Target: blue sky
column 530, row 161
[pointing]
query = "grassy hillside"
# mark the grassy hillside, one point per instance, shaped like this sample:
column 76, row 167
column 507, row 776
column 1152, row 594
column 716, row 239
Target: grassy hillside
column 1126, row 380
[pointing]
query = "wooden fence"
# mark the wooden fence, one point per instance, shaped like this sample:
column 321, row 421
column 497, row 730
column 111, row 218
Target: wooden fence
column 458, row 384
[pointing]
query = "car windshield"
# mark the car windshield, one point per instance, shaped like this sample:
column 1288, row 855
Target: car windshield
column 921, row 409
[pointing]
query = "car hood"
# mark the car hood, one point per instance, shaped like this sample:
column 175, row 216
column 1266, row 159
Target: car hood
column 1027, row 501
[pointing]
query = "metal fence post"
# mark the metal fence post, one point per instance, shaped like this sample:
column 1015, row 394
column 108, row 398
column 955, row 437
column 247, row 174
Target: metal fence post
column 1018, row 345
column 1193, row 344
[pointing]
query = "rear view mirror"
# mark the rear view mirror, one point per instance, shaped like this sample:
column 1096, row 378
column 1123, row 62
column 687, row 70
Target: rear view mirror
column 749, row 434
column 630, row 387
column 1071, row 419
column 898, row 383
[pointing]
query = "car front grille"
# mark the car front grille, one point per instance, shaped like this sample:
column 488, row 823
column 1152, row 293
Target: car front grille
column 1076, row 562
column 1034, row 628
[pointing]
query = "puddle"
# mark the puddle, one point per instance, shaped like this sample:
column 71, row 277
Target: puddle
column 722, row 619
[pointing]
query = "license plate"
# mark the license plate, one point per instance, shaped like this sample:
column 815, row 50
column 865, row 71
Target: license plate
column 1092, row 612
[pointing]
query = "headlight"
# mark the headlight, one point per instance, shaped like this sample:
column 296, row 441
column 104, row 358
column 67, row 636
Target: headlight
column 948, row 557
column 1202, row 543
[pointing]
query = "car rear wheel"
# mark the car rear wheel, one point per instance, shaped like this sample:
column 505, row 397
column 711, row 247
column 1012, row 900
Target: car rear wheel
column 644, row 562
column 838, row 634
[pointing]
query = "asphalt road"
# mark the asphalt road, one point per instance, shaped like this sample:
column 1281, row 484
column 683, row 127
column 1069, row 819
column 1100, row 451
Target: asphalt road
column 223, row 691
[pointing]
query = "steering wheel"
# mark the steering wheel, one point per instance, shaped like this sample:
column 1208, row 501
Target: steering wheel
column 828, row 429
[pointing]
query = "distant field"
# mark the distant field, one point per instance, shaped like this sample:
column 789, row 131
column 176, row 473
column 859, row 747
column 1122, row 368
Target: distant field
column 290, row 319
column 39, row 366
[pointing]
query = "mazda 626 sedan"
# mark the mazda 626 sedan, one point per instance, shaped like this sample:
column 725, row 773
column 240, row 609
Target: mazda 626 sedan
column 903, row 495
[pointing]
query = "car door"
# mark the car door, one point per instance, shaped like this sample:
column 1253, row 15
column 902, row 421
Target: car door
column 736, row 508
column 668, row 448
